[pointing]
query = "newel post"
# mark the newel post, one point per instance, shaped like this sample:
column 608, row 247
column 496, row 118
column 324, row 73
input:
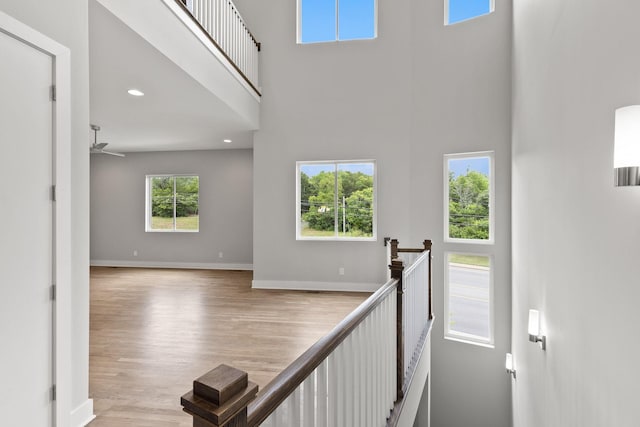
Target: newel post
column 394, row 249
column 219, row 398
column 427, row 247
column 397, row 267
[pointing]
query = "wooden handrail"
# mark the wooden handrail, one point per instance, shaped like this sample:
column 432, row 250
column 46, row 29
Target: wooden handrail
column 288, row 380
column 183, row 6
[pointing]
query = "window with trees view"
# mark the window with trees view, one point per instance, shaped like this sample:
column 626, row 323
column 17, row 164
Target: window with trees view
column 172, row 203
column 469, row 197
column 336, row 200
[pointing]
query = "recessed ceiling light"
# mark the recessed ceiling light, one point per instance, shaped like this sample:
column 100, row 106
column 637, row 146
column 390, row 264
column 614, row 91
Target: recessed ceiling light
column 228, row 141
column 135, row 92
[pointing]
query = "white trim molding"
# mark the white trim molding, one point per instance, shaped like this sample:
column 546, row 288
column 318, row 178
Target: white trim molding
column 166, row 264
column 298, row 285
column 61, row 56
column 83, row 414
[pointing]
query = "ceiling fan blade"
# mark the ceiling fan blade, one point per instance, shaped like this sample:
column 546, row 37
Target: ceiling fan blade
column 100, row 146
column 112, row 153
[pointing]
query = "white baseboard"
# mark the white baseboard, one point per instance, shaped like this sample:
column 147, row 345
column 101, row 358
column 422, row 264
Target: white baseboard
column 315, row 286
column 164, row 264
column 83, row 414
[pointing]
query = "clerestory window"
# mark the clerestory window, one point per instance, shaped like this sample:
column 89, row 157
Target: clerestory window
column 462, row 10
column 333, row 20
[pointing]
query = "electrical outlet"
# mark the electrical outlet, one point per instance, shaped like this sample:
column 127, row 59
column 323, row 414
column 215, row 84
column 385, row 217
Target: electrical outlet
column 341, row 271
column 220, row 255
column 135, row 252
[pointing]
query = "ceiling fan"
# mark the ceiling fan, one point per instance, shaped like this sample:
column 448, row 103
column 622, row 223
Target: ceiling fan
column 99, row 148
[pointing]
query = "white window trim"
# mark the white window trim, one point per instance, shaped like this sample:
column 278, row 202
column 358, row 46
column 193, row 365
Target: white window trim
column 337, row 35
column 492, row 191
column 148, row 204
column 460, row 336
column 337, row 238
column 492, row 8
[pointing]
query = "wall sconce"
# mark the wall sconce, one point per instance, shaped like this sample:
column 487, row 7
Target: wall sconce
column 509, row 366
column 534, row 329
column 626, row 153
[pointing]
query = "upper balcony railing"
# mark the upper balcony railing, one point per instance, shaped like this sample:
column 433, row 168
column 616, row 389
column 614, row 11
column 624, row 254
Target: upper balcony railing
column 222, row 23
column 356, row 376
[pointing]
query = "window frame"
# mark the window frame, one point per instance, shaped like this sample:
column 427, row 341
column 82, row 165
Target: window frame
column 149, row 203
column 461, row 336
column 337, row 21
column 471, row 155
column 492, row 8
column 336, row 237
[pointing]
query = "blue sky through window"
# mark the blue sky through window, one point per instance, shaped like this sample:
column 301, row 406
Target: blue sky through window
column 312, row 169
column 356, row 19
column 320, row 18
column 460, row 166
column 460, row 10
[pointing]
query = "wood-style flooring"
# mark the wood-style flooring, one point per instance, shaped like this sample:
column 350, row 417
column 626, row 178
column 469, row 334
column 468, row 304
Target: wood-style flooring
column 154, row 331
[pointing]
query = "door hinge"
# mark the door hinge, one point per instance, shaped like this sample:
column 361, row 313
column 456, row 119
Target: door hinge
column 53, row 392
column 53, row 193
column 53, row 292
column 53, row 93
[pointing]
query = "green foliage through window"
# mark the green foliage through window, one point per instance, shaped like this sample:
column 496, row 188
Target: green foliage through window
column 336, row 200
column 469, row 198
column 174, row 202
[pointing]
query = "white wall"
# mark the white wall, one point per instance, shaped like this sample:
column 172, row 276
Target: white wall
column 65, row 21
column 418, row 91
column 575, row 236
column 118, row 209
column 330, row 101
column 461, row 78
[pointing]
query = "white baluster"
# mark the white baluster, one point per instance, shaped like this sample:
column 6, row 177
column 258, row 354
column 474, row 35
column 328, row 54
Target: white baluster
column 321, row 394
column 294, row 405
column 333, row 387
column 349, row 386
column 309, row 401
column 270, row 421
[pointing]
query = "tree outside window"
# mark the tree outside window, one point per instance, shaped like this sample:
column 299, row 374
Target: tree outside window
column 336, row 200
column 173, row 203
column 469, row 197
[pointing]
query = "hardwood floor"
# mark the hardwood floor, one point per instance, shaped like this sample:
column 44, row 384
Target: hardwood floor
column 154, row 331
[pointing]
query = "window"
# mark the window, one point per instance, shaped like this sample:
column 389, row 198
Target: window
column 468, row 194
column 331, row 20
column 172, row 203
column 469, row 298
column 468, row 221
column 462, row 10
column 336, row 200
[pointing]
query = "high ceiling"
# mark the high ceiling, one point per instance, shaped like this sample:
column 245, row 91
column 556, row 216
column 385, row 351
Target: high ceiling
column 176, row 112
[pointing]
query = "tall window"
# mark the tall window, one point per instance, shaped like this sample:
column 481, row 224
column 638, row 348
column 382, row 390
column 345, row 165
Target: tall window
column 468, row 213
column 172, row 203
column 336, row 200
column 331, row 20
column 463, row 10
column 469, row 197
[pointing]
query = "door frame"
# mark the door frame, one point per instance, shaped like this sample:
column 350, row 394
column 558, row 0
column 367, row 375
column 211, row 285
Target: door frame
column 61, row 134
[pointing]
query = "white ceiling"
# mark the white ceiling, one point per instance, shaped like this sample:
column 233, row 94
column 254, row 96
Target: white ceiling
column 176, row 113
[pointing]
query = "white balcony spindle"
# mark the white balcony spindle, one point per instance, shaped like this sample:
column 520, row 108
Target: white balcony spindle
column 322, row 395
column 309, row 401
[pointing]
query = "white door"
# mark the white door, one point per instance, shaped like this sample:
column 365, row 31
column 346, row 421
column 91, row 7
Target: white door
column 26, row 237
